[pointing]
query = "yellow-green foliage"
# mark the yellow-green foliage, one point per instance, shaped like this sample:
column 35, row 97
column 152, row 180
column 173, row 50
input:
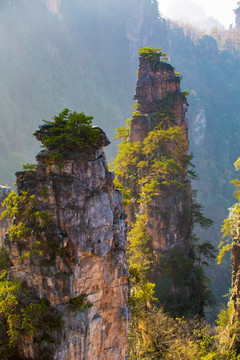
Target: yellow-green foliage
column 126, row 168
column 146, row 170
column 28, row 218
column 170, row 142
column 152, row 53
column 23, row 207
column 157, row 164
column 126, row 193
column 20, row 317
column 29, row 167
column 230, row 228
column 124, row 131
column 165, row 161
column 126, row 162
column 139, row 250
column 20, row 314
column 161, row 161
column 155, row 335
column 140, row 260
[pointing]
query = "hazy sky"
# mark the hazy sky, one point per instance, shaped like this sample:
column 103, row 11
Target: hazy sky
column 222, row 10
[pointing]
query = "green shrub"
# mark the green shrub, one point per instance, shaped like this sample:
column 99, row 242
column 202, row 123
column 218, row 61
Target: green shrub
column 5, row 262
column 80, row 303
column 69, row 132
column 23, row 316
column 28, row 218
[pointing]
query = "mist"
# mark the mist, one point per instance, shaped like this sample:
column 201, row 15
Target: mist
column 186, row 11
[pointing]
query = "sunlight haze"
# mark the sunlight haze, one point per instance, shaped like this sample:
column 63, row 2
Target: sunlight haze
column 179, row 10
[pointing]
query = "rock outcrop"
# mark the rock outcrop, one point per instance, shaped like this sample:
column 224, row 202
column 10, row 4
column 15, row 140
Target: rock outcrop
column 235, row 279
column 160, row 100
column 235, row 290
column 4, row 223
column 83, row 256
column 152, row 168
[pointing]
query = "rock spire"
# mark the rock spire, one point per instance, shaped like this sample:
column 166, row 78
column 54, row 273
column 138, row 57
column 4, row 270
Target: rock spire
column 160, row 101
column 79, row 263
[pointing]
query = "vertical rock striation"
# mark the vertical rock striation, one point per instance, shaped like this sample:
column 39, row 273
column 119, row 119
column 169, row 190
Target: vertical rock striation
column 84, row 256
column 4, row 223
column 234, row 232
column 152, row 168
column 235, row 279
column 160, row 102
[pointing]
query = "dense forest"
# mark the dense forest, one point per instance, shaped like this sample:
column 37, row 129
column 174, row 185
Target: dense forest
column 83, row 56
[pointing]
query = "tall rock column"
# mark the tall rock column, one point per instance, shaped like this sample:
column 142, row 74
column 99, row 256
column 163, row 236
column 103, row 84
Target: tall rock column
column 161, row 104
column 152, row 168
column 78, row 262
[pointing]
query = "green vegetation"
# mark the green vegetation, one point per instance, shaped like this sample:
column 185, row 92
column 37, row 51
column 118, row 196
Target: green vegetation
column 151, row 171
column 5, row 262
column 154, row 334
column 165, row 162
column 158, row 336
column 28, row 218
column 80, row 303
column 22, row 315
column 140, row 262
column 99, row 77
column 153, row 54
column 69, row 132
column 43, row 191
column 182, row 273
column 230, row 228
column 29, row 167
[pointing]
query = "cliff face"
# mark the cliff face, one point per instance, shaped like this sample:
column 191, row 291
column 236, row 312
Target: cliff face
column 138, row 30
column 84, row 254
column 161, row 103
column 152, row 169
column 134, row 27
column 4, row 223
column 155, row 82
column 234, row 232
column 235, row 280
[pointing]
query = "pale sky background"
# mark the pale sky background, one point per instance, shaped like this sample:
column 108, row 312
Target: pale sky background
column 222, row 10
